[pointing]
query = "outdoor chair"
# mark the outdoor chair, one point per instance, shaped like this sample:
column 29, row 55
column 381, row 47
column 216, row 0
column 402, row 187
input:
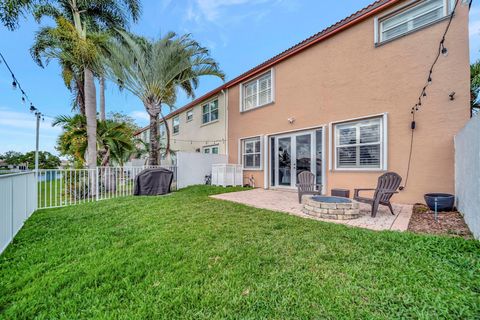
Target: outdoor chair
column 387, row 186
column 306, row 185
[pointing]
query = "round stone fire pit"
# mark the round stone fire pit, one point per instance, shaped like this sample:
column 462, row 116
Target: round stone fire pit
column 327, row 207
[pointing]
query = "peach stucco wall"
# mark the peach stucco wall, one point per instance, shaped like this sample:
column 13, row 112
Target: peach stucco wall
column 346, row 77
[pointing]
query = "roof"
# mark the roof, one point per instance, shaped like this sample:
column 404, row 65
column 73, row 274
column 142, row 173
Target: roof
column 328, row 32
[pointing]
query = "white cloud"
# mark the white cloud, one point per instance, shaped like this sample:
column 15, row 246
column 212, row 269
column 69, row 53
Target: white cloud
column 141, row 117
column 18, row 132
column 474, row 25
column 215, row 10
column 24, row 120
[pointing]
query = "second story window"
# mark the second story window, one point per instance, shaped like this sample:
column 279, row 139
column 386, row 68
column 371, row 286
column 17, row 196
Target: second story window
column 257, row 92
column 161, row 129
column 189, row 115
column 210, row 112
column 410, row 18
column 176, row 124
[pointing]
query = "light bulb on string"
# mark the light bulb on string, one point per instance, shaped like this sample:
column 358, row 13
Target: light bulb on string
column 14, row 84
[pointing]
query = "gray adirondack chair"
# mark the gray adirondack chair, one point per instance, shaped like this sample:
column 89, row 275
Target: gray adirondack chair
column 306, row 185
column 387, row 186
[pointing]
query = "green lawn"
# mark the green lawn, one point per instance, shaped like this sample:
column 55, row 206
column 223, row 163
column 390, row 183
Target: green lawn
column 190, row 256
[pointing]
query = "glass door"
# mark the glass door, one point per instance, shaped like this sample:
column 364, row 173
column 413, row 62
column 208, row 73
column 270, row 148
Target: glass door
column 284, row 161
column 293, row 154
column 303, row 154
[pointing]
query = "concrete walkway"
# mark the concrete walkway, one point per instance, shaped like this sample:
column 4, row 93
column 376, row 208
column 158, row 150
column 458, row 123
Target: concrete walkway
column 287, row 201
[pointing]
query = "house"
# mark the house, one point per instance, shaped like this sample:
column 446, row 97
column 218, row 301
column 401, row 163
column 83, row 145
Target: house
column 199, row 126
column 339, row 103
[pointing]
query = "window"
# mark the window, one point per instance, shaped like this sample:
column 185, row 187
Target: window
column 359, row 144
column 146, row 135
column 189, row 115
column 210, row 111
column 176, row 125
column 411, row 18
column 210, row 149
column 162, row 130
column 258, row 92
column 251, row 153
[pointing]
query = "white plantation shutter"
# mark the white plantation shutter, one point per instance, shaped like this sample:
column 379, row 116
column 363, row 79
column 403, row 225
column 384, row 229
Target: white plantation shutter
column 423, row 13
column 359, row 144
column 257, row 92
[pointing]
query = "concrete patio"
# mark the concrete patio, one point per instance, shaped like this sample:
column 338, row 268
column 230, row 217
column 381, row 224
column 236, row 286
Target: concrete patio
column 287, row 201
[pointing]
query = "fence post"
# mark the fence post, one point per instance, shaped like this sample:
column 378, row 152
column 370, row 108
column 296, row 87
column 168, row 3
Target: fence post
column 97, row 184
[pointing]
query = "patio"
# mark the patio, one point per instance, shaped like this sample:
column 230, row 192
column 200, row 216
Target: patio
column 287, row 201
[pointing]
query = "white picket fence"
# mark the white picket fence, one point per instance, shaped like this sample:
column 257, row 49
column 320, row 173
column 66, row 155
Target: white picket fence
column 18, row 200
column 65, row 187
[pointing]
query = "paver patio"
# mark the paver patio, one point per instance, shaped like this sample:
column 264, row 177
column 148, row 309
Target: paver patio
column 287, row 201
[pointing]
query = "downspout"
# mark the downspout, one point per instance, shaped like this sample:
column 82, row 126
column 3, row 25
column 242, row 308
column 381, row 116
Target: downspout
column 225, row 104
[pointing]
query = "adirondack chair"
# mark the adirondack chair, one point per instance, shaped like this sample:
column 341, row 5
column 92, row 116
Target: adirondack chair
column 387, row 186
column 306, row 185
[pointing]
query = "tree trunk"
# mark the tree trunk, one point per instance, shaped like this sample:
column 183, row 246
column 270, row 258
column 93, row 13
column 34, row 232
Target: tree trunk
column 167, row 133
column 80, row 95
column 91, row 115
column 102, row 98
column 153, row 152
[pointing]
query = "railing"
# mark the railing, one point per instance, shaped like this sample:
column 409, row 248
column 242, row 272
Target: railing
column 64, row 187
column 17, row 202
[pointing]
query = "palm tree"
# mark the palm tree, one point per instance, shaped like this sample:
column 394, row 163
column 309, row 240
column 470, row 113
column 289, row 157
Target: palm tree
column 475, row 88
column 114, row 140
column 85, row 16
column 154, row 70
column 63, row 43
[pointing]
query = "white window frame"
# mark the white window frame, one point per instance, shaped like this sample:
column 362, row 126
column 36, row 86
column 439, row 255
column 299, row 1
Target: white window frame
column 189, row 115
column 174, row 119
column 210, row 149
column 257, row 94
column 379, row 20
column 242, row 143
column 383, row 143
column 209, row 112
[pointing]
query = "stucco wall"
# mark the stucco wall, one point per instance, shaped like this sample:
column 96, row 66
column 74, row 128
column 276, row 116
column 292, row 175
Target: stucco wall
column 194, row 135
column 202, row 134
column 346, row 77
column 467, row 174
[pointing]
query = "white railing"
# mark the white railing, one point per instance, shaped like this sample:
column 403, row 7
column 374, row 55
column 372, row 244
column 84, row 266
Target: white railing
column 17, row 202
column 64, row 187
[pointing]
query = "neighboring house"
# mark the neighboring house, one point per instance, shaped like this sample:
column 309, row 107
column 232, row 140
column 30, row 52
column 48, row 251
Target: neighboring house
column 199, row 126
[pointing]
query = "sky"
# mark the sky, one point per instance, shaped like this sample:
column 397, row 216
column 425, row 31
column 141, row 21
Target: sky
column 239, row 33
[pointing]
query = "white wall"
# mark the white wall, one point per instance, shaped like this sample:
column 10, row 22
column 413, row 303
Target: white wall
column 192, row 167
column 18, row 200
column 467, row 174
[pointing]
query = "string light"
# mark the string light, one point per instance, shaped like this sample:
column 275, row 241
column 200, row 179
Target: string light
column 442, row 50
column 16, row 84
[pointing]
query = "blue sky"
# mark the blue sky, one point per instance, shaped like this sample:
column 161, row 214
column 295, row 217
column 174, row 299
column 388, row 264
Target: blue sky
column 239, row 33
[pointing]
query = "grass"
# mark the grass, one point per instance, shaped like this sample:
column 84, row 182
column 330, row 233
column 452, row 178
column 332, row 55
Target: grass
column 189, row 256
column 58, row 192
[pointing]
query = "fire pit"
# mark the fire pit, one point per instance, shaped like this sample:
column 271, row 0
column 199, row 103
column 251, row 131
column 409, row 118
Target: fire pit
column 326, row 207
